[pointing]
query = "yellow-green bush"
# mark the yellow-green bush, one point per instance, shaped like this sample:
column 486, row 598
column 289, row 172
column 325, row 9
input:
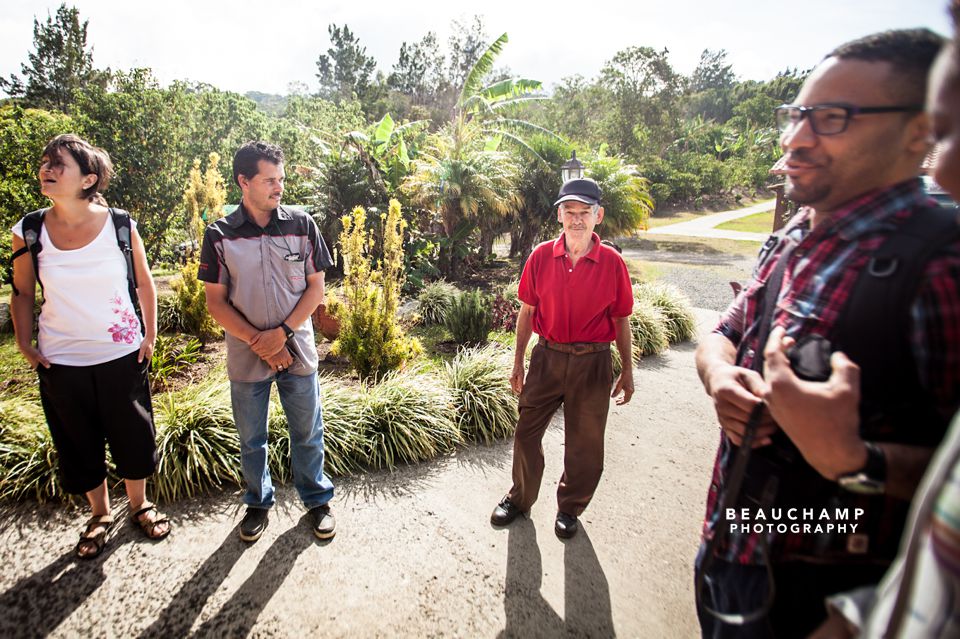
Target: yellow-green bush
column 371, row 336
column 190, row 301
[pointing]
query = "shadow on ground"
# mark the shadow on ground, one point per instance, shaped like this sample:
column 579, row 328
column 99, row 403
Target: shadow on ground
column 587, row 610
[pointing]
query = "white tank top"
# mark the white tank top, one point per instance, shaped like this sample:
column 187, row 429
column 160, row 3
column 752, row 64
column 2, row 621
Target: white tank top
column 88, row 317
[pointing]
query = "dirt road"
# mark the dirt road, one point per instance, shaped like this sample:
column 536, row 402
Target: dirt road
column 415, row 555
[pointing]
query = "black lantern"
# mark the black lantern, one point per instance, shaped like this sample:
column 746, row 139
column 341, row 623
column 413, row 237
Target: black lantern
column 572, row 169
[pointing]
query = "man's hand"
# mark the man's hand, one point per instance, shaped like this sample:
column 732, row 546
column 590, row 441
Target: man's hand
column 624, row 384
column 736, row 391
column 279, row 361
column 821, row 418
column 516, row 378
column 34, row 357
column 268, row 342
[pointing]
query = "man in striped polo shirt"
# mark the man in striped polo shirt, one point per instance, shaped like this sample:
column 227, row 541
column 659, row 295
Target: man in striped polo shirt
column 263, row 271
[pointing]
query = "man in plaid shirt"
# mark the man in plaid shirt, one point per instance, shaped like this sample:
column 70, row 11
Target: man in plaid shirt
column 854, row 142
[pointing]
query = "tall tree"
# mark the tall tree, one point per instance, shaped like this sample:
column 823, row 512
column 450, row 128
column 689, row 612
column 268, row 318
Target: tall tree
column 60, row 64
column 467, row 43
column 419, row 71
column 345, row 69
column 645, row 89
column 712, row 72
column 142, row 127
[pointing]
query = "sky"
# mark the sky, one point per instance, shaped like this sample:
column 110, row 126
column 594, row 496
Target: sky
column 244, row 45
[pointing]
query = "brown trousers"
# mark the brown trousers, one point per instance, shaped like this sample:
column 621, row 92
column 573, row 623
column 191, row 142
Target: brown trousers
column 582, row 383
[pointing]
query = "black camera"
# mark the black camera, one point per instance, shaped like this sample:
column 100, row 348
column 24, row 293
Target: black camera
column 810, row 358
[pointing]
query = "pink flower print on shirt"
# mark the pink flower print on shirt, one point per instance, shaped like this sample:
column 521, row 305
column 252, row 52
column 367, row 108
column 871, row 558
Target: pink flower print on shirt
column 127, row 328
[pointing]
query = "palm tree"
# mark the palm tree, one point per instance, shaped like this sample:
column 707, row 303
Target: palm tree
column 624, row 194
column 467, row 183
column 463, row 175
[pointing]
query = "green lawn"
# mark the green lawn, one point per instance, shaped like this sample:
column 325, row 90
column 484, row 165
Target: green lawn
column 662, row 219
column 756, row 223
column 692, row 245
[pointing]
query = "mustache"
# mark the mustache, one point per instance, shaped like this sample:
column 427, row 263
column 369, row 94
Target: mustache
column 801, row 155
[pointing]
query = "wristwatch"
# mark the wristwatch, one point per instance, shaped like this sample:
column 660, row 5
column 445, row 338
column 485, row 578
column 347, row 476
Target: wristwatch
column 872, row 478
column 287, row 330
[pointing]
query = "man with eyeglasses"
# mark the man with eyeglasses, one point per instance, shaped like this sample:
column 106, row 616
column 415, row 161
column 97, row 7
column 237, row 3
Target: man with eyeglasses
column 263, row 271
column 854, row 142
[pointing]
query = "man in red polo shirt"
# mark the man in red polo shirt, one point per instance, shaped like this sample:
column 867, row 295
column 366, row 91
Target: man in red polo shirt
column 577, row 297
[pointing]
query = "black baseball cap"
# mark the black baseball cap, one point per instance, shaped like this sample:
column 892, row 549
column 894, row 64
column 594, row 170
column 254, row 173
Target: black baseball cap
column 583, row 190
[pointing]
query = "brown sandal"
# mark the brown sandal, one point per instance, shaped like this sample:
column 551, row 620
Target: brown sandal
column 149, row 526
column 97, row 541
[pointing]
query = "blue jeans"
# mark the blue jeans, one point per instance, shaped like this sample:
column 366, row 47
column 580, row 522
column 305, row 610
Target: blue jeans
column 300, row 397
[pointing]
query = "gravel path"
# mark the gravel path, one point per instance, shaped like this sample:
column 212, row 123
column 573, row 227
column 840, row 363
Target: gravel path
column 705, row 278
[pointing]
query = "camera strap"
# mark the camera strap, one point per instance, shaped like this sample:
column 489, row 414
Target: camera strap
column 734, row 484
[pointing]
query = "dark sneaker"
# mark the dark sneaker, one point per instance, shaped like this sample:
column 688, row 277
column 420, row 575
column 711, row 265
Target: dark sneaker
column 253, row 524
column 566, row 526
column 505, row 512
column 324, row 525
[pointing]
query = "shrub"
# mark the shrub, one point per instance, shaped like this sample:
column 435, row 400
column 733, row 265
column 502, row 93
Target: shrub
column 344, row 422
column 435, row 300
column 28, row 459
column 169, row 319
column 469, row 318
column 191, row 303
column 681, row 324
column 486, row 407
column 410, row 418
column 370, row 333
column 196, row 440
column 170, row 356
column 649, row 330
column 503, row 313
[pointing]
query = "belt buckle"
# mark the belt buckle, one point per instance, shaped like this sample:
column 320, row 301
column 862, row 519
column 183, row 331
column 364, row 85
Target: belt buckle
column 581, row 349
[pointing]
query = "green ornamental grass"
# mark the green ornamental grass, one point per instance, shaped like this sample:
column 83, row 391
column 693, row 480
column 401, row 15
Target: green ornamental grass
column 648, row 326
column 409, row 418
column 28, row 460
column 486, row 407
column 196, row 440
column 344, row 423
column 681, row 324
column 434, row 302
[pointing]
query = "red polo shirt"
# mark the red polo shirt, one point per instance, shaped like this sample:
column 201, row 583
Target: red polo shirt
column 576, row 304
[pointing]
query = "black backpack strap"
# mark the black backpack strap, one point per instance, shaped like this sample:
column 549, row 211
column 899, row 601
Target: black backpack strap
column 32, row 223
column 121, row 223
column 878, row 312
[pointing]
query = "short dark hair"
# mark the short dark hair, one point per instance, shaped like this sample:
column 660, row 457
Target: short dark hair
column 247, row 156
column 910, row 52
column 91, row 159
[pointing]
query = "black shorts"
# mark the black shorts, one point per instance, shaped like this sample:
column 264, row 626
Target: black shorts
column 87, row 406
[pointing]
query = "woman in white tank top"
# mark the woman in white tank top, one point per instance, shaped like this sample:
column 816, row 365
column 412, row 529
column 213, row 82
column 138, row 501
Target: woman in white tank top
column 93, row 349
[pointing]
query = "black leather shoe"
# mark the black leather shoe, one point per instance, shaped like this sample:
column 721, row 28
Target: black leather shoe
column 566, row 526
column 323, row 523
column 253, row 524
column 505, row 512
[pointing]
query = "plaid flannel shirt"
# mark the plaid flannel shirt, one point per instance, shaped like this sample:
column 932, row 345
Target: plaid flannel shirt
column 817, row 282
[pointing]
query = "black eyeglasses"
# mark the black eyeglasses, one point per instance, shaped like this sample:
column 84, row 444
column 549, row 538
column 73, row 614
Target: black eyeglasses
column 829, row 119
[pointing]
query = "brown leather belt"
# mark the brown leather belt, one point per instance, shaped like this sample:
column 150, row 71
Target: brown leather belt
column 576, row 348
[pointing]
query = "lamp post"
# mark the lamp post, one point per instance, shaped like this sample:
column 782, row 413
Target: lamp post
column 572, row 169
